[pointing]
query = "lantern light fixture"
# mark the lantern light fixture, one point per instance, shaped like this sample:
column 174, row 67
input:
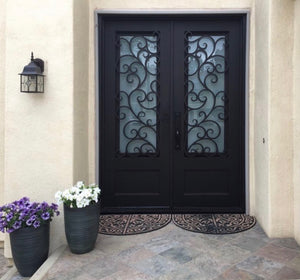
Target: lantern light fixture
column 32, row 78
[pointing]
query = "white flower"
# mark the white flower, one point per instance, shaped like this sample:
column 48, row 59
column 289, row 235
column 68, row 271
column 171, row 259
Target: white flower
column 73, row 190
column 80, row 184
column 83, row 195
column 95, row 197
column 80, row 197
column 85, row 202
column 58, row 197
column 79, row 204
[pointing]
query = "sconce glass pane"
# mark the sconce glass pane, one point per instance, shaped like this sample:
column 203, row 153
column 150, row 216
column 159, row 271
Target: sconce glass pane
column 28, row 83
column 40, row 83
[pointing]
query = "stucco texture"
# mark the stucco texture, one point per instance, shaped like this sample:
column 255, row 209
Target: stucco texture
column 261, row 116
column 2, row 115
column 296, row 121
column 39, row 127
column 50, row 139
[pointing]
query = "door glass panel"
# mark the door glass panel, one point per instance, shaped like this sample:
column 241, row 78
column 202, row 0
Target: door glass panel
column 205, row 76
column 138, row 96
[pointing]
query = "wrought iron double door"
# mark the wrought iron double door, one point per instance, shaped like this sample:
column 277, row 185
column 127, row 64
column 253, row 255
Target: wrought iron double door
column 172, row 125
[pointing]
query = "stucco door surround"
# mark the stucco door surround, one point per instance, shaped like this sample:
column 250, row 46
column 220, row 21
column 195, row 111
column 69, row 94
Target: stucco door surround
column 172, row 103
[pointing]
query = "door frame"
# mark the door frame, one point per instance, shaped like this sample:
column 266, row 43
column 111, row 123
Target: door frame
column 180, row 12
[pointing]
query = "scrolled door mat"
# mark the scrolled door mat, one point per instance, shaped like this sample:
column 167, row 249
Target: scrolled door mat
column 214, row 223
column 129, row 224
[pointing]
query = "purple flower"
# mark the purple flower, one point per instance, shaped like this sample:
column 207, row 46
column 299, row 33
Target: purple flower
column 23, row 202
column 1, row 226
column 24, row 199
column 54, row 206
column 20, row 203
column 32, row 212
column 29, row 222
column 36, row 224
column 32, row 206
column 9, row 217
column 12, row 207
column 44, row 205
column 17, row 225
column 45, row 216
column 33, row 218
column 26, row 204
column 23, row 213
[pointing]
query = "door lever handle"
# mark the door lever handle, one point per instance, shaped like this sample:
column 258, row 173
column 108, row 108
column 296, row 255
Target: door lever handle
column 177, row 131
column 177, row 139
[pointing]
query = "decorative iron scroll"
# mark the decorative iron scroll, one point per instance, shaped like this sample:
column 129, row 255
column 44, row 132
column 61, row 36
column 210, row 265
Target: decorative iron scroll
column 137, row 99
column 205, row 68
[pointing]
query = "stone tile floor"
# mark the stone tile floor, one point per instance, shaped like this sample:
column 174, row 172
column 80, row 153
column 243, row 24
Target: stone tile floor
column 4, row 267
column 17, row 276
column 173, row 253
column 3, row 263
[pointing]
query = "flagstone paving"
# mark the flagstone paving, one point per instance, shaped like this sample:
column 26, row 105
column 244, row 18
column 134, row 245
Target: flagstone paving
column 173, row 253
column 4, row 267
column 3, row 263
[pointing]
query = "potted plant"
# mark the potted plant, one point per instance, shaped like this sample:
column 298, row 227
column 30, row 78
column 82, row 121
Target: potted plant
column 28, row 225
column 81, row 216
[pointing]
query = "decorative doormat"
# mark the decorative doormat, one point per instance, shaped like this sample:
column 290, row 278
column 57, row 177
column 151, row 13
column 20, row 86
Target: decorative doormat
column 214, row 223
column 132, row 224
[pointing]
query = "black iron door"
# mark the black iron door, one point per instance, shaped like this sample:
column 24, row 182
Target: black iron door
column 172, row 113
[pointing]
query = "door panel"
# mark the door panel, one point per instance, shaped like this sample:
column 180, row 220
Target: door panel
column 172, row 113
column 209, row 168
column 135, row 143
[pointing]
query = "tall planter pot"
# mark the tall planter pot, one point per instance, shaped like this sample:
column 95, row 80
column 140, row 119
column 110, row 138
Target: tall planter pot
column 30, row 248
column 81, row 227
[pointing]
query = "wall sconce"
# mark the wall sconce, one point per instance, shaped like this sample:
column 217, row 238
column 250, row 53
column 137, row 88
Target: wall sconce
column 32, row 79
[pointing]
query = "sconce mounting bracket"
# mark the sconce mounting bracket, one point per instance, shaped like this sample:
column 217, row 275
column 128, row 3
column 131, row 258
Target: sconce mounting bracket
column 39, row 62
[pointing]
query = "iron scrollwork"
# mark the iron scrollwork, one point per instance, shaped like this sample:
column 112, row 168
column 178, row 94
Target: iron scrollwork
column 137, row 101
column 205, row 98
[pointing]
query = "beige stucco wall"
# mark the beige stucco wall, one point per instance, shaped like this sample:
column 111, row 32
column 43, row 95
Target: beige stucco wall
column 280, row 118
column 261, row 116
column 81, row 92
column 273, row 99
column 49, row 139
column 296, row 122
column 39, row 127
column 2, row 85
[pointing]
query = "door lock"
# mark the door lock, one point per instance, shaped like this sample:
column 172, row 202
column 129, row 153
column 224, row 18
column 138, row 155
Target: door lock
column 177, row 131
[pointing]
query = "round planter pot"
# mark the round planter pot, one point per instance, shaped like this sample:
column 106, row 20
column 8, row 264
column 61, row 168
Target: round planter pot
column 81, row 227
column 30, row 248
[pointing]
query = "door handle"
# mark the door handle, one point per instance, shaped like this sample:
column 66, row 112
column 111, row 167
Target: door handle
column 177, row 131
